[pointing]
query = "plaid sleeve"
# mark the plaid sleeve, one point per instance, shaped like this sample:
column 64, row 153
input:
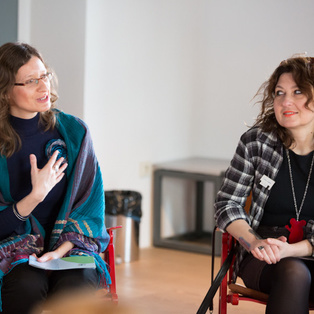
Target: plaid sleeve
column 257, row 154
column 309, row 231
column 239, row 177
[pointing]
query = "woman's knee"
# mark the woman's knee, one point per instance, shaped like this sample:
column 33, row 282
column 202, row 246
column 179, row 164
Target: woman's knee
column 292, row 270
column 23, row 287
column 26, row 279
column 72, row 279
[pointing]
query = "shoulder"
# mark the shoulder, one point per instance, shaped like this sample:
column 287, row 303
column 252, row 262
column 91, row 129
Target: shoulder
column 257, row 135
column 69, row 121
column 256, row 143
column 72, row 129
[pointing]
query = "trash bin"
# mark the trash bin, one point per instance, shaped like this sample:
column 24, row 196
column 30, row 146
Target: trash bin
column 124, row 208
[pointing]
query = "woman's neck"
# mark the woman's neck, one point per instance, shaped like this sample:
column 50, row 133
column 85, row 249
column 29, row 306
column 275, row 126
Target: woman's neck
column 303, row 143
column 25, row 127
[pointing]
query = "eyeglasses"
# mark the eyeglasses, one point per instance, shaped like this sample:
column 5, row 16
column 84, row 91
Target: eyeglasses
column 33, row 82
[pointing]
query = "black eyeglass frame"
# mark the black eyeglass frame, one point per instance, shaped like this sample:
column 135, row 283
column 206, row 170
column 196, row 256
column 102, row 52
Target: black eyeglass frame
column 47, row 76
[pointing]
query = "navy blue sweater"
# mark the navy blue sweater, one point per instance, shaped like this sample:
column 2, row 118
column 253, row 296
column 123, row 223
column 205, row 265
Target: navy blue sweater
column 34, row 140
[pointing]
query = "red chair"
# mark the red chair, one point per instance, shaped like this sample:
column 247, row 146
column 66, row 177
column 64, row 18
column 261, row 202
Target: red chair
column 236, row 291
column 109, row 258
column 231, row 292
column 228, row 251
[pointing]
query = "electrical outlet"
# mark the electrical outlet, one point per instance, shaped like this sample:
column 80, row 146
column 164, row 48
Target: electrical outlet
column 145, row 168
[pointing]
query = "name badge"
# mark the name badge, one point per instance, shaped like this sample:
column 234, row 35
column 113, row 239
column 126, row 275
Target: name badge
column 267, row 182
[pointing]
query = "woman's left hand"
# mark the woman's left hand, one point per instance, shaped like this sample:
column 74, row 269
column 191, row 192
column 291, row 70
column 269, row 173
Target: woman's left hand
column 64, row 248
column 299, row 249
column 48, row 256
column 286, row 249
column 271, row 251
column 282, row 245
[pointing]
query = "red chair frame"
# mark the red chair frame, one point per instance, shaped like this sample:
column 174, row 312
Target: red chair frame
column 232, row 297
column 109, row 258
column 230, row 292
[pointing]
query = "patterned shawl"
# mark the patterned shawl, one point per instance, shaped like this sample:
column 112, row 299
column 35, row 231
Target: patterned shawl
column 81, row 216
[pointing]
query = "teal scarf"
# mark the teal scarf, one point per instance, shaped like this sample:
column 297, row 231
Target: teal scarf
column 81, row 216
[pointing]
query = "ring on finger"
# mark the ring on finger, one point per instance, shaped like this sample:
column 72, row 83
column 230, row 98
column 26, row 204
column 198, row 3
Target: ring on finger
column 56, row 169
column 261, row 248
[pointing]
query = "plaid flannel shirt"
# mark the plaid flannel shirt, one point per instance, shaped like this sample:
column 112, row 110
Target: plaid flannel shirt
column 258, row 153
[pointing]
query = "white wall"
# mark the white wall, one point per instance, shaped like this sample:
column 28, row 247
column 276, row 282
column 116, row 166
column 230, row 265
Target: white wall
column 158, row 80
column 57, row 29
column 243, row 42
column 139, row 107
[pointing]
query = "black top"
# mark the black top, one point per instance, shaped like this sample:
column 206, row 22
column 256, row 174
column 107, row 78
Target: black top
column 34, row 140
column 279, row 207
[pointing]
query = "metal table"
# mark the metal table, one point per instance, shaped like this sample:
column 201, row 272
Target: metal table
column 199, row 170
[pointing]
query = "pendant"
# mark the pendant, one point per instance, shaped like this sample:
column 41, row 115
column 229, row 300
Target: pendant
column 296, row 230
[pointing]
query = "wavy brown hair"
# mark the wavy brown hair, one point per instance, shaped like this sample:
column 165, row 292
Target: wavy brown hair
column 12, row 57
column 302, row 70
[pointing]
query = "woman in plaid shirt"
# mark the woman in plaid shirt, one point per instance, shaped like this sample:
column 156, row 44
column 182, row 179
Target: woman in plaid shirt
column 274, row 162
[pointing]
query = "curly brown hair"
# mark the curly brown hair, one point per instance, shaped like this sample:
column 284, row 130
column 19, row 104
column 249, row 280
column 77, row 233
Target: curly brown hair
column 302, row 70
column 12, row 57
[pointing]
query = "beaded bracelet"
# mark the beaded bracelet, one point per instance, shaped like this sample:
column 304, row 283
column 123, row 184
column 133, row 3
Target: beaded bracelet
column 17, row 214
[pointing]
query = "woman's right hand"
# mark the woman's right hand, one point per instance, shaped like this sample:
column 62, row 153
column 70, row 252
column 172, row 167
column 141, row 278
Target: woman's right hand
column 43, row 180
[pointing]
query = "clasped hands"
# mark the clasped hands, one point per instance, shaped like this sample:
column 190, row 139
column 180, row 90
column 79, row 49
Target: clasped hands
column 271, row 250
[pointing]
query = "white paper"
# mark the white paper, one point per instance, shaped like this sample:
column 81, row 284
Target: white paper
column 71, row 262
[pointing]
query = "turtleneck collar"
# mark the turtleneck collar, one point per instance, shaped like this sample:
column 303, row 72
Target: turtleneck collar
column 26, row 127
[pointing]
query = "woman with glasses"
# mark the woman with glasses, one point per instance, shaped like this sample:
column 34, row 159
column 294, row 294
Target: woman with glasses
column 51, row 192
column 274, row 164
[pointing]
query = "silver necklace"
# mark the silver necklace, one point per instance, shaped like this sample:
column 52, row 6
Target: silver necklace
column 292, row 185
